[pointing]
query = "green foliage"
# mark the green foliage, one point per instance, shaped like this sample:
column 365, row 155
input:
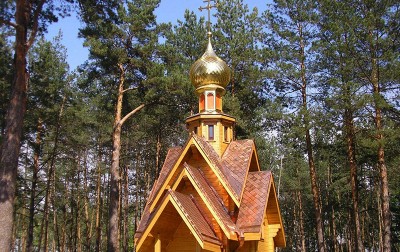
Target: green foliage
column 6, row 78
column 263, row 51
column 238, row 36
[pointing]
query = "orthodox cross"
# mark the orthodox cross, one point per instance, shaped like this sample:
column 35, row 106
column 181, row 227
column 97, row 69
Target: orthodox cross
column 208, row 7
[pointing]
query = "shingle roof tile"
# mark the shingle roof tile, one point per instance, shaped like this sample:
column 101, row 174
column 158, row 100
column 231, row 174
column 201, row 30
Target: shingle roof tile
column 237, row 158
column 254, row 201
column 216, row 203
column 194, row 216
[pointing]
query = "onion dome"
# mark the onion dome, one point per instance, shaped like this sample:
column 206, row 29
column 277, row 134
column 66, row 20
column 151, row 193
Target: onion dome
column 209, row 71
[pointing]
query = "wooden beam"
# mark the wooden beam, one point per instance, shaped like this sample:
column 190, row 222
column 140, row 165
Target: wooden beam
column 157, row 244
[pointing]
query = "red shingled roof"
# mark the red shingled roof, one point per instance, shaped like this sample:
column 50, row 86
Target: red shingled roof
column 254, row 201
column 170, row 160
column 251, row 189
column 193, row 215
column 211, row 196
column 222, row 169
column 237, row 159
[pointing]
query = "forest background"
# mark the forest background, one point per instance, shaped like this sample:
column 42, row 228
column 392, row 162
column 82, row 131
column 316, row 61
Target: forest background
column 315, row 83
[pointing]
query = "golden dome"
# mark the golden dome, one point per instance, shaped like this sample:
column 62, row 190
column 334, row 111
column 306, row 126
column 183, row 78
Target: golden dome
column 209, row 71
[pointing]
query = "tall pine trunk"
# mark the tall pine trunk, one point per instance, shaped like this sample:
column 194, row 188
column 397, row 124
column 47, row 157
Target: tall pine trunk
column 88, row 223
column 301, row 223
column 113, row 220
column 13, row 131
column 351, row 157
column 99, row 204
column 29, row 243
column 386, row 215
column 374, row 78
column 113, row 241
column 311, row 163
column 10, row 147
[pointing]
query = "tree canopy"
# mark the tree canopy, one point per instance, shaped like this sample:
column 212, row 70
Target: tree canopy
column 316, row 84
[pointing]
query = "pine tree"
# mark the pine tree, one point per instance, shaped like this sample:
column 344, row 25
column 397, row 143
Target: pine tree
column 28, row 19
column 123, row 46
column 48, row 77
column 293, row 30
column 238, row 34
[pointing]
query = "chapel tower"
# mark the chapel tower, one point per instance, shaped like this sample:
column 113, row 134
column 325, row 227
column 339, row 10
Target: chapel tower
column 210, row 75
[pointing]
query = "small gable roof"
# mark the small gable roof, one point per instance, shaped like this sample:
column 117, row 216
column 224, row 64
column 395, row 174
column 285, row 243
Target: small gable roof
column 170, row 160
column 254, row 202
column 194, row 217
column 237, row 158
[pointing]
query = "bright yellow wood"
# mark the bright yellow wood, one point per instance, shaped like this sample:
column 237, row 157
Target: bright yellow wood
column 252, row 236
column 182, row 240
column 152, row 223
column 171, row 174
column 157, row 244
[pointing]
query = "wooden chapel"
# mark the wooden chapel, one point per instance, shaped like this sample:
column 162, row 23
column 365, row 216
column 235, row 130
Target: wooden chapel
column 211, row 194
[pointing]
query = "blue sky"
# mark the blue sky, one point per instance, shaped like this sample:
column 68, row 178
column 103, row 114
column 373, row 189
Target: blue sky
column 168, row 11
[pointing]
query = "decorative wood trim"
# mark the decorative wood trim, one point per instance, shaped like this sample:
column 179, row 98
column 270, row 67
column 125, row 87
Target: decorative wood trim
column 282, row 230
column 152, row 223
column 171, row 174
column 252, row 236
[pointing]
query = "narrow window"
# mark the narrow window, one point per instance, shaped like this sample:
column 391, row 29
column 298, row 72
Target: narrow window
column 210, row 101
column 225, row 133
column 211, row 132
column 202, row 103
column 195, row 130
column 219, row 102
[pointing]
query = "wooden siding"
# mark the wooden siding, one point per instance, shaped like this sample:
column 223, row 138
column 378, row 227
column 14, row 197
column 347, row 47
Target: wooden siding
column 182, row 240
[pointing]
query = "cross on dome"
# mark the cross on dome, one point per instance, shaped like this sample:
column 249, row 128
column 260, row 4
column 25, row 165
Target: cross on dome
column 208, row 7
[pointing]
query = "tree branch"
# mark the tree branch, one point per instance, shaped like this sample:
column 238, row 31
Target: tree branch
column 8, row 22
column 128, row 89
column 35, row 23
column 121, row 122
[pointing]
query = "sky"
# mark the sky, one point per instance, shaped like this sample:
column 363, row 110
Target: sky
column 168, row 11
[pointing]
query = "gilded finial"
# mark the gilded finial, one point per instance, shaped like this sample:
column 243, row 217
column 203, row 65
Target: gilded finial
column 209, row 72
column 208, row 7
